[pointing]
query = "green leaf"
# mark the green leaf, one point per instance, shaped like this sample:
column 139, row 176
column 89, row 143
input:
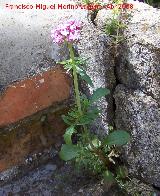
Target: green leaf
column 73, row 114
column 68, row 67
column 68, row 135
column 85, row 120
column 68, row 152
column 85, row 102
column 67, row 64
column 66, row 119
column 80, row 61
column 96, row 143
column 108, row 176
column 99, row 93
column 85, row 77
column 117, row 138
column 89, row 117
column 122, row 172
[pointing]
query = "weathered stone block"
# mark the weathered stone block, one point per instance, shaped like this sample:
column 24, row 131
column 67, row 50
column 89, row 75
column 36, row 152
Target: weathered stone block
column 140, row 114
column 139, row 58
column 137, row 95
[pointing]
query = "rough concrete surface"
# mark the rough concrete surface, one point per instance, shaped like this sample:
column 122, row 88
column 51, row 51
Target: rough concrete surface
column 25, row 40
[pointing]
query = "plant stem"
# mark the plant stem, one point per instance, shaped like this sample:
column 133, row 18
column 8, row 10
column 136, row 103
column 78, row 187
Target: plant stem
column 75, row 78
column 76, row 86
column 78, row 103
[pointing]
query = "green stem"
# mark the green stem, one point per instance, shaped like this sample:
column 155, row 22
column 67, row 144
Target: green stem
column 75, row 78
column 76, row 86
column 78, row 103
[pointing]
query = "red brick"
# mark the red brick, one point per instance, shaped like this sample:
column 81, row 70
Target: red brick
column 29, row 96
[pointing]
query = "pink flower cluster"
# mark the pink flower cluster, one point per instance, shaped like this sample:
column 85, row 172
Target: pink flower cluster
column 69, row 31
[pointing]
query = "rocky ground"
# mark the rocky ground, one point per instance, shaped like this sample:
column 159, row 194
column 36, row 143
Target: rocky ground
column 57, row 179
column 53, row 179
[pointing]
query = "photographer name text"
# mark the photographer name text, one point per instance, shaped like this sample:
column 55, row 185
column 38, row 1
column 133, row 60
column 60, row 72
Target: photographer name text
column 67, row 6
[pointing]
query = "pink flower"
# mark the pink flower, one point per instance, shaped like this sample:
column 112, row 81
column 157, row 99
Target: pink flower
column 70, row 32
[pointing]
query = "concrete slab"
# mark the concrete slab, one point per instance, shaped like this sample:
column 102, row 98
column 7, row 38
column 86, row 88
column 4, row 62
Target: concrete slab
column 25, row 41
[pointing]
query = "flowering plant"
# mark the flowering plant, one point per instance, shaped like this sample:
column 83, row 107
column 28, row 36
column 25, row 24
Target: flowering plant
column 69, row 31
column 89, row 152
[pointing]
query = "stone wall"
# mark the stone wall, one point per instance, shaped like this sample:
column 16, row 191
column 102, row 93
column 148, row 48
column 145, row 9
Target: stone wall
column 137, row 94
column 138, row 97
